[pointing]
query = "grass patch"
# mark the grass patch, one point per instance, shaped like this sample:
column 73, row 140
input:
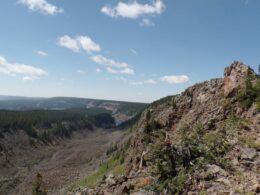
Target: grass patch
column 113, row 165
column 249, row 141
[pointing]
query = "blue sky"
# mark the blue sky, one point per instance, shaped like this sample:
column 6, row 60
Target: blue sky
column 129, row 50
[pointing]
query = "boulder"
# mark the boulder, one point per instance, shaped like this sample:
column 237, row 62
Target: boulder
column 224, row 181
column 215, row 170
column 110, row 180
column 248, row 154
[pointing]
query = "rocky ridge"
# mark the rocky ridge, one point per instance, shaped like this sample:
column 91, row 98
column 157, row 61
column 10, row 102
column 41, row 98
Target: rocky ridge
column 202, row 141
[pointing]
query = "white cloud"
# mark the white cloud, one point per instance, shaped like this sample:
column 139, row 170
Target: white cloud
column 81, row 71
column 98, row 70
column 28, row 72
column 127, row 71
column 175, row 79
column 42, row 53
column 99, row 59
column 42, row 6
column 133, row 51
column 134, row 10
column 30, row 78
column 111, row 70
column 87, row 44
column 146, row 22
column 76, row 44
column 69, row 43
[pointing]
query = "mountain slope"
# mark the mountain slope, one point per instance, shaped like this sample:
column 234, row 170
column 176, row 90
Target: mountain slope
column 203, row 141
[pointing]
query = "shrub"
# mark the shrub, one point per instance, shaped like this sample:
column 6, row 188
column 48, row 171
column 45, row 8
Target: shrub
column 251, row 93
column 178, row 182
column 152, row 126
column 249, row 140
column 171, row 164
column 258, row 104
column 37, row 186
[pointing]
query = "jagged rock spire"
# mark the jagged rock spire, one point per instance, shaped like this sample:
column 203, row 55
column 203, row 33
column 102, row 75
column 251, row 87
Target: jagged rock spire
column 234, row 77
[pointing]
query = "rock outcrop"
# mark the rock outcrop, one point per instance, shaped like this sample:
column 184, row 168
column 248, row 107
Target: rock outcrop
column 234, row 77
column 224, row 158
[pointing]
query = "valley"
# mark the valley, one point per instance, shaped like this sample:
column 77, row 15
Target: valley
column 60, row 164
column 63, row 146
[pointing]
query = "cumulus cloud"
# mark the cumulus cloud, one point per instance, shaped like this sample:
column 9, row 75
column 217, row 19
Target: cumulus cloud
column 113, row 67
column 27, row 71
column 99, row 59
column 69, row 43
column 175, row 79
column 30, row 78
column 79, row 43
column 134, row 10
column 42, row 6
column 42, row 53
column 88, row 44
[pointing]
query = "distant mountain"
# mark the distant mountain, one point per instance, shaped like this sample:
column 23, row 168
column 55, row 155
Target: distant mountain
column 7, row 97
column 120, row 110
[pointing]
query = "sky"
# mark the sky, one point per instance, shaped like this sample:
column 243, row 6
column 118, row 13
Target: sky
column 130, row 50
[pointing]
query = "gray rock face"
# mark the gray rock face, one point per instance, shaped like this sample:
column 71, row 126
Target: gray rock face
column 215, row 170
column 110, row 180
column 248, row 154
column 235, row 76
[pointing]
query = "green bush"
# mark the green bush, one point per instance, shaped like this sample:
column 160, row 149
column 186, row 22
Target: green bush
column 171, row 164
column 37, row 186
column 258, row 104
column 251, row 93
column 178, row 183
column 152, row 126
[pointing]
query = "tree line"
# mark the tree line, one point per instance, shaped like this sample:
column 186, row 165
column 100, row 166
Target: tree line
column 47, row 124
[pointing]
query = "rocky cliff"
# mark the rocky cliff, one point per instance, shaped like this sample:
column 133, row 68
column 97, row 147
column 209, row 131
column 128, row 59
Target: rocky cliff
column 205, row 140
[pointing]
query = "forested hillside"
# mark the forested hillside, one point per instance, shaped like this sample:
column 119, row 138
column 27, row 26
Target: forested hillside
column 45, row 125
